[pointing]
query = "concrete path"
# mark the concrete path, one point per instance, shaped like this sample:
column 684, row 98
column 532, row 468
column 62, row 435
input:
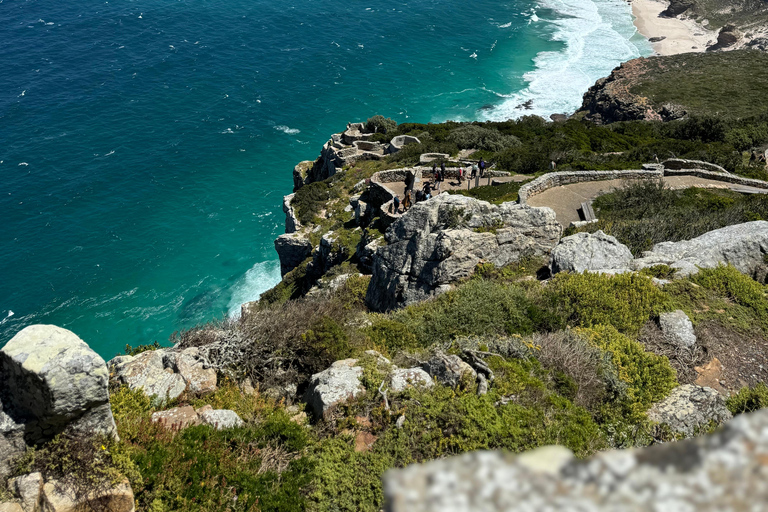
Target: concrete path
column 566, row 199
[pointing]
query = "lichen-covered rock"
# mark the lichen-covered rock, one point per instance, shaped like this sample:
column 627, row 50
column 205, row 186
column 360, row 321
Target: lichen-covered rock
column 57, row 498
column 440, row 241
column 677, row 329
column 28, row 490
column 292, row 223
column 220, row 419
column 742, row 245
column 404, row 378
column 449, row 370
column 177, row 418
column 11, row 506
column 292, row 249
column 590, row 251
column 722, row 471
column 52, row 381
column 689, row 408
column 338, row 383
column 198, row 377
column 12, row 443
column 147, row 371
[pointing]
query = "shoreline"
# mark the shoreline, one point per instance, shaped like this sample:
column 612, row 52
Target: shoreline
column 680, row 35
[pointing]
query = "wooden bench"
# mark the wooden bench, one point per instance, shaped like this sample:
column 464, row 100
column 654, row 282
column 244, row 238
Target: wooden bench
column 587, row 212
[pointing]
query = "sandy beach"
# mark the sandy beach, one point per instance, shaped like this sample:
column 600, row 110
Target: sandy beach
column 680, row 36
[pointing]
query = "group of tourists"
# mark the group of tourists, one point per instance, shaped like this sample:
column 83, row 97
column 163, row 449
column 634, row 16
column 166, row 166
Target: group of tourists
column 433, row 187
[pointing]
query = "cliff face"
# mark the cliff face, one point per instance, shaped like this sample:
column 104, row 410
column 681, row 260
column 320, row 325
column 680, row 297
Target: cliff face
column 665, row 88
column 611, row 99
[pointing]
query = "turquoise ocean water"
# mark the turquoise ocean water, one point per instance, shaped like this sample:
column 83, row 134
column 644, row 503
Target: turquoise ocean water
column 145, row 145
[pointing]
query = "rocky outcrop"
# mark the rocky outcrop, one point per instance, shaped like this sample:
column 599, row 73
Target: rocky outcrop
column 676, row 8
column 28, row 490
column 440, row 241
column 690, row 408
column 56, row 498
column 337, row 384
column 677, row 329
column 612, row 99
column 596, row 252
column 292, row 223
column 52, row 382
column 404, row 378
column 721, row 471
column 728, row 36
column 742, row 245
column 182, row 417
column 292, row 249
column 449, row 370
column 164, row 373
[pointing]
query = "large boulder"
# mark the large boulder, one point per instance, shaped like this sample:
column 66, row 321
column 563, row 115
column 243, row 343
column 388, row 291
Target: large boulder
column 28, row 490
column 58, row 498
column 337, row 384
column 596, row 252
column 742, row 245
column 440, row 241
column 147, row 371
column 292, row 249
column 722, row 471
column 165, row 374
column 689, row 408
column 51, row 382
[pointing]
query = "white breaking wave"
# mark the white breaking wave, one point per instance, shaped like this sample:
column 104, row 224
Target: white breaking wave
column 596, row 34
column 259, row 278
column 286, row 129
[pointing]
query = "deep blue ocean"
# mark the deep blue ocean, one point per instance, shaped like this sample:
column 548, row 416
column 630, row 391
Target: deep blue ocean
column 145, row 145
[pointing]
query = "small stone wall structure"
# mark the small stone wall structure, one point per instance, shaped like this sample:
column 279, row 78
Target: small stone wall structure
column 680, row 163
column 710, row 175
column 556, row 179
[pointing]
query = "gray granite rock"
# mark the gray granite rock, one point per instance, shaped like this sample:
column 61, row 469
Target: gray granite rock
column 220, row 419
column 724, row 471
column 440, row 241
column 449, row 370
column 338, row 383
column 404, row 378
column 677, row 329
column 52, row 381
column 147, row 371
column 689, row 408
column 595, row 252
column 742, row 245
column 28, row 490
column 292, row 249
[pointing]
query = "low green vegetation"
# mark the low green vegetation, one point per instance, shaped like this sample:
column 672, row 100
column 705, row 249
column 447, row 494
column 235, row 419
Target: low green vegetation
column 494, row 194
column 645, row 213
column 727, row 84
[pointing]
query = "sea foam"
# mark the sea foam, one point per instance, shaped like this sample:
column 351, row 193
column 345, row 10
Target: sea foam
column 258, row 279
column 597, row 35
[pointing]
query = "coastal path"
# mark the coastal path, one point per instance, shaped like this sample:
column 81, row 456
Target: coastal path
column 566, row 200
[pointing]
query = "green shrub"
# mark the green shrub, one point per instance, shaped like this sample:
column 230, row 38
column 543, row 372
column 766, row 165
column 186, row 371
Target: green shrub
column 625, row 301
column 748, row 399
column 648, row 377
column 390, row 334
column 728, row 282
column 134, row 351
column 478, row 307
column 472, row 136
column 379, row 123
column 327, row 340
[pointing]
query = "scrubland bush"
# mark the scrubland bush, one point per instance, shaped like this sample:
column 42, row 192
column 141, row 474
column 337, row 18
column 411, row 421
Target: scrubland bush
column 379, row 123
column 472, row 136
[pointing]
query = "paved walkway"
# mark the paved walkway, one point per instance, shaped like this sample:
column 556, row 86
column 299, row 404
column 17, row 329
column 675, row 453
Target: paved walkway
column 566, row 199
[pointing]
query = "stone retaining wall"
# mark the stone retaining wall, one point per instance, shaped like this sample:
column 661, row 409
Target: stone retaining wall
column 710, row 175
column 680, row 163
column 395, row 175
column 556, row 179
